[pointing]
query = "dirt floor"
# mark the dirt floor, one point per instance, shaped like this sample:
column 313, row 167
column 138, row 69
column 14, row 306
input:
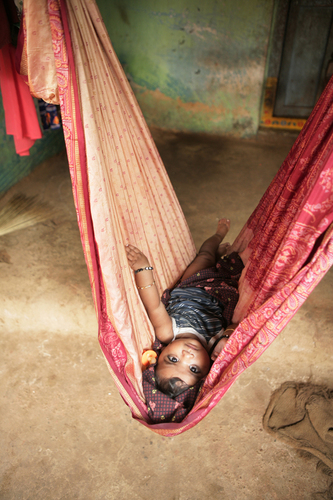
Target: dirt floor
column 65, row 431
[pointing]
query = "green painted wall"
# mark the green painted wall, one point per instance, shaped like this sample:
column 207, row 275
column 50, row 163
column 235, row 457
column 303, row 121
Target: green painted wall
column 14, row 167
column 196, row 66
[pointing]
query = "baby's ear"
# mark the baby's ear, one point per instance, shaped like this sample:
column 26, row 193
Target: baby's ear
column 163, row 346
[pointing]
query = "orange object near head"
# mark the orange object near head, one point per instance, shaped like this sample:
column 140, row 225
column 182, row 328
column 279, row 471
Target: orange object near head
column 148, row 358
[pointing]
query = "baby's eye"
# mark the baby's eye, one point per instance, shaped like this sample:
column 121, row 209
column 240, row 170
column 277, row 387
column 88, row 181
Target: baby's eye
column 194, row 369
column 173, row 359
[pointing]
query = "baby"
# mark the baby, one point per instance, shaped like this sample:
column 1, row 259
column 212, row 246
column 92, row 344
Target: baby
column 192, row 319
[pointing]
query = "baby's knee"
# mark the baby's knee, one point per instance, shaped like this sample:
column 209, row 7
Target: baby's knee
column 206, row 257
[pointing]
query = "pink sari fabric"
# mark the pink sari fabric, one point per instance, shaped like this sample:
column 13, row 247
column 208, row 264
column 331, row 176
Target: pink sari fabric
column 295, row 211
column 287, row 245
column 123, row 195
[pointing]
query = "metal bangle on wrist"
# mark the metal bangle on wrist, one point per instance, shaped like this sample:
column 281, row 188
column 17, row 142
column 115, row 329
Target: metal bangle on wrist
column 148, row 268
column 147, row 286
column 225, row 336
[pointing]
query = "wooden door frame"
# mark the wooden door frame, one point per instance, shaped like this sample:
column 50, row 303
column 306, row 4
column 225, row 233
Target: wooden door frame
column 274, row 55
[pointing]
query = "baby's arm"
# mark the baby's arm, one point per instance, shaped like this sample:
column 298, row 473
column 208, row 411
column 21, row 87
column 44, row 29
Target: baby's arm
column 220, row 346
column 145, row 283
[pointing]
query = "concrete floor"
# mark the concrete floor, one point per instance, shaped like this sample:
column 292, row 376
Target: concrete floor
column 65, row 431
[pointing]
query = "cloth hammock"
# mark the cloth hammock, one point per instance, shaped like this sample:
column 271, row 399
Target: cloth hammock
column 123, row 195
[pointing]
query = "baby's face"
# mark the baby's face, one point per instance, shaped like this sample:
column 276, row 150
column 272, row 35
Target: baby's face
column 185, row 358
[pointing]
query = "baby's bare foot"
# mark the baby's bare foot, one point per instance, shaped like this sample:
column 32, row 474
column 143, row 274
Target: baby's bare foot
column 231, row 249
column 223, row 227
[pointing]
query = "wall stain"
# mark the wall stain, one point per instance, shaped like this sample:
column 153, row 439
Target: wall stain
column 123, row 14
column 194, row 116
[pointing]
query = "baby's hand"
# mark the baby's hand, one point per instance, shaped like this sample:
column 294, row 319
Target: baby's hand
column 136, row 258
column 218, row 348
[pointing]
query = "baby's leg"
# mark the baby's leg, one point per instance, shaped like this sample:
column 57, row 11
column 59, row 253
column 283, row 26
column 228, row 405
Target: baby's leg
column 208, row 251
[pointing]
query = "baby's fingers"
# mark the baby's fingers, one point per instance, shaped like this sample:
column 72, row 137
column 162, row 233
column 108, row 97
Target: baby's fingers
column 133, row 254
column 130, row 253
column 132, row 249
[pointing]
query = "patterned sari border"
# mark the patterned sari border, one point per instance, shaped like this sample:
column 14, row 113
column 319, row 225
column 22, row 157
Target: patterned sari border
column 82, row 156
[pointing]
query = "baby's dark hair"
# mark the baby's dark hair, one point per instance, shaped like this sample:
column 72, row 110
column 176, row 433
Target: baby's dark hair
column 172, row 387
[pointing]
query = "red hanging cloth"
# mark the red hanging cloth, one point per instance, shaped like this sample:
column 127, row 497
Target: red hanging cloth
column 20, row 112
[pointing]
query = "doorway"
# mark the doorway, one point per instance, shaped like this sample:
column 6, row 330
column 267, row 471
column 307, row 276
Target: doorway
column 300, row 61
